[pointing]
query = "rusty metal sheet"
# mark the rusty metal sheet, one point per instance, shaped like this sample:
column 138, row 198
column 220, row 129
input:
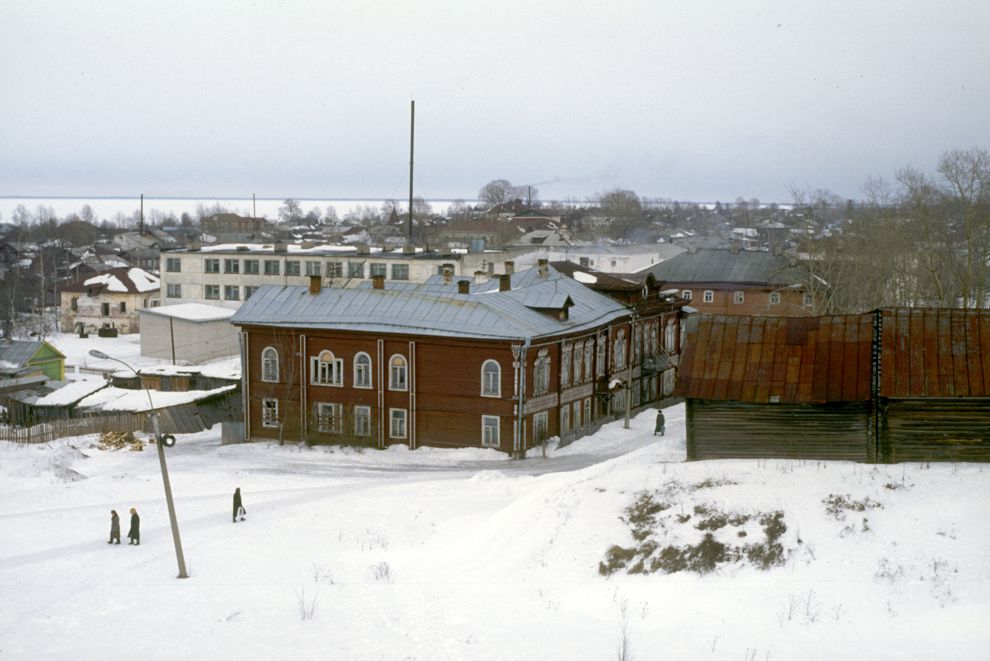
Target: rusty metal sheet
column 946, row 385
column 984, row 323
column 959, row 350
column 974, row 357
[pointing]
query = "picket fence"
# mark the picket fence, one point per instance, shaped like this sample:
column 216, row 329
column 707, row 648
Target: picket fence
column 49, row 431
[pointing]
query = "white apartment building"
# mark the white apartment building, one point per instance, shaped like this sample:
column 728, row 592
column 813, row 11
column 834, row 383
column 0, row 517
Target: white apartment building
column 227, row 274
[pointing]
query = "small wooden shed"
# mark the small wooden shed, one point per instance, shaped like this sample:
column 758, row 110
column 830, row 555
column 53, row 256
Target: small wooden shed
column 888, row 385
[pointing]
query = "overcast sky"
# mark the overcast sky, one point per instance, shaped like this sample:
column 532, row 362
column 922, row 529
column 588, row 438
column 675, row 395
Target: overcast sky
column 691, row 100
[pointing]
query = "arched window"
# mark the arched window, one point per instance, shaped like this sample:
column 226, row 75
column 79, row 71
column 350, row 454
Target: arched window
column 491, row 379
column 326, row 369
column 362, row 370
column 397, row 373
column 269, row 365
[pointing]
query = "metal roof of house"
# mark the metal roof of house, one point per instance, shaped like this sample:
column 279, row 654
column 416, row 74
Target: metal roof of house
column 923, row 353
column 777, row 359
column 935, row 353
column 19, row 352
column 728, row 266
column 194, row 312
column 436, row 310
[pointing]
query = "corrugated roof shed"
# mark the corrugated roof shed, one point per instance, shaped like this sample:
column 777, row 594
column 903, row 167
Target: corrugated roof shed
column 935, row 353
column 777, row 359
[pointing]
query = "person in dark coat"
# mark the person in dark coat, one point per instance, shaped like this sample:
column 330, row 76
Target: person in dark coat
column 238, row 505
column 134, row 534
column 661, row 424
column 114, row 527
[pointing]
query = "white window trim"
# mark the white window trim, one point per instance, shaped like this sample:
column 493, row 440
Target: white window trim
column 498, row 379
column 265, row 420
column 485, row 424
column 337, row 417
column 738, row 297
column 265, row 376
column 357, row 416
column 391, row 373
column 371, row 378
column 774, row 298
column 336, row 368
column 686, row 294
column 708, row 296
column 391, row 423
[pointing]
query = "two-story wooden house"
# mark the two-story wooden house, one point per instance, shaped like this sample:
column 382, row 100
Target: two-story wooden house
column 502, row 364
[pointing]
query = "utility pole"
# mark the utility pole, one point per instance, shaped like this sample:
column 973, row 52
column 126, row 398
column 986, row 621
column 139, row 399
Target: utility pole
column 142, row 214
column 254, row 206
column 412, row 140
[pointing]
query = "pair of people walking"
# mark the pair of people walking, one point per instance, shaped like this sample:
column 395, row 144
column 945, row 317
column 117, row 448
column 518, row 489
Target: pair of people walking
column 133, row 534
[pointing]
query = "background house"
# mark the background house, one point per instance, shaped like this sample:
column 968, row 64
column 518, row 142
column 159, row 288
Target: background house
column 108, row 300
column 733, row 281
column 188, row 333
column 31, row 356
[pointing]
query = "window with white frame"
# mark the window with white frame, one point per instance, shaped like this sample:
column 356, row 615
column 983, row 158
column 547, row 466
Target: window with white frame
column 541, row 373
column 326, row 369
column 269, row 412
column 173, row 264
column 619, row 350
column 709, row 296
column 809, row 300
column 490, row 431
column 231, row 266
column 577, row 415
column 491, row 379
column 565, row 365
column 269, row 365
column 292, row 267
column 173, row 290
column 589, row 361
column 355, row 269
column 565, row 419
column 362, row 421
column 329, row 417
column 335, row 269
column 397, row 373
column 377, row 270
column 362, row 370
column 669, row 337
column 774, row 298
column 738, row 296
column 312, row 268
column 587, row 411
column 211, row 292
column 271, row 267
column 400, row 271
column 578, row 362
column 600, row 358
column 211, row 265
column 541, row 427
column 252, row 266
column 686, row 294
column 231, row 293
column 397, row 423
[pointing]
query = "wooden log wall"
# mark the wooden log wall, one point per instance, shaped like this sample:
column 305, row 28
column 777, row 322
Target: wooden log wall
column 955, row 429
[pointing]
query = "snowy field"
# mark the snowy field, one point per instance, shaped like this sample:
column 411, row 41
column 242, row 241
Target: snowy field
column 464, row 554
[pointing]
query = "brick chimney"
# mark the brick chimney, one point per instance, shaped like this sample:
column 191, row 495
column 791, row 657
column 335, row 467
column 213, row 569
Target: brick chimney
column 448, row 274
column 510, row 268
column 505, row 282
column 463, row 286
column 378, row 282
column 544, row 267
column 315, row 283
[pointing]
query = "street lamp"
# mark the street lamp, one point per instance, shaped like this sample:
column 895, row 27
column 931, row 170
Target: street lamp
column 160, row 441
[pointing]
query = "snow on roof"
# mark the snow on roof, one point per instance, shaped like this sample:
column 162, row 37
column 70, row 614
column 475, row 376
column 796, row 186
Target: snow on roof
column 140, row 280
column 191, row 312
column 586, row 278
column 71, row 393
column 123, row 399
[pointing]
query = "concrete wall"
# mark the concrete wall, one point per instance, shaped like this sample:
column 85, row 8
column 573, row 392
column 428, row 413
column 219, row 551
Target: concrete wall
column 195, row 342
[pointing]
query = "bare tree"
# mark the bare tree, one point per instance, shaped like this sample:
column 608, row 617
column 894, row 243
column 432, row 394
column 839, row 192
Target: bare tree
column 496, row 192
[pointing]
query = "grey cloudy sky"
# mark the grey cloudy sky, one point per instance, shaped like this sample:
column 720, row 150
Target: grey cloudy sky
column 693, row 100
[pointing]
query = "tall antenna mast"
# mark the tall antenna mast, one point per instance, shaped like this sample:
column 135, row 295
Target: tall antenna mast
column 142, row 213
column 412, row 141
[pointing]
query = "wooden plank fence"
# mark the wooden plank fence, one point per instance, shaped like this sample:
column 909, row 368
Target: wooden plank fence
column 49, row 431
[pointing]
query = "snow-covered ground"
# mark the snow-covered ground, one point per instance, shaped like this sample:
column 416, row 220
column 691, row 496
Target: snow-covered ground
column 465, row 554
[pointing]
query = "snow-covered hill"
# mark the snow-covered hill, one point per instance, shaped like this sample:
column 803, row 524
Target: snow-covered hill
column 465, row 554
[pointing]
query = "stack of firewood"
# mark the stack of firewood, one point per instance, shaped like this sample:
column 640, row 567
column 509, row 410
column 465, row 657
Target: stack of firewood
column 120, row 440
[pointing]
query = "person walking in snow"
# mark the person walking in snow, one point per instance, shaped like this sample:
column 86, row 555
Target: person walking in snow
column 114, row 527
column 239, row 510
column 134, row 534
column 661, row 424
